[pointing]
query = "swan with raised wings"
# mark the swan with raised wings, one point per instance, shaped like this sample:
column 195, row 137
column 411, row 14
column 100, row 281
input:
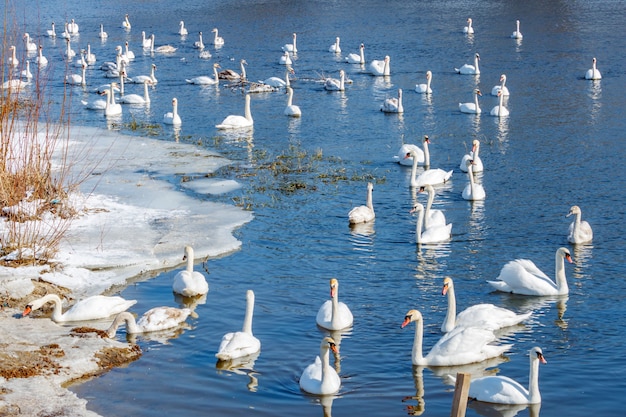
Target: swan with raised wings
column 517, row 33
column 320, row 378
column 468, row 69
column 333, row 84
column 593, row 73
column 499, row 110
column 500, row 87
column 239, row 344
column 434, row 234
column 91, row 308
column 188, row 282
column 378, row 67
column 473, row 155
column 236, row 121
column 291, row 109
column 425, row 88
column 521, row 276
column 473, row 191
column 359, row 58
column 393, row 104
column 579, row 230
column 486, row 316
column 153, row 320
column 206, row 80
column 504, row 390
column 333, row 314
column 363, row 214
column 469, row 29
column 461, row 346
column 172, row 117
column 432, row 217
column 471, row 108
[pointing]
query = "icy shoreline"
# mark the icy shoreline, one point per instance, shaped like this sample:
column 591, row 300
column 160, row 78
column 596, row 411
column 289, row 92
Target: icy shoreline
column 134, row 219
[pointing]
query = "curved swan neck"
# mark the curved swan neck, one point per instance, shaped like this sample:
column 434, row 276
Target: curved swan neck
column 289, row 97
column 561, row 280
column 450, row 320
column 534, row 396
column 416, row 353
column 247, row 321
column 131, row 324
column 429, row 203
column 325, row 358
column 57, row 311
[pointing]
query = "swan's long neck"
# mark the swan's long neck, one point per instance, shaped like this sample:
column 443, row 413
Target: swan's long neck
column 243, row 71
column 429, row 203
column 386, row 69
column 577, row 220
column 428, row 83
column 414, row 171
column 325, row 358
column 362, row 53
column 418, row 239
column 342, row 80
column 476, row 64
column 561, row 280
column 247, row 112
column 470, row 174
column 426, row 155
column 146, row 95
column 287, row 82
column 369, row 201
column 216, row 75
column 534, row 396
column 131, row 324
column 122, row 83
column 400, row 108
column 500, row 102
column 188, row 253
column 416, row 353
column 57, row 312
column 335, row 310
column 247, row 321
column 517, row 26
column 476, row 101
column 450, row 320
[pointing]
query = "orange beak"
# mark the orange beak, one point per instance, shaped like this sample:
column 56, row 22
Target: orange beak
column 27, row 311
column 333, row 347
column 568, row 257
column 406, row 321
column 444, row 290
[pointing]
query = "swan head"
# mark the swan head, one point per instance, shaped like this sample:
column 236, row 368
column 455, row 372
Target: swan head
column 188, row 249
column 362, row 46
column 429, row 74
column 503, row 77
column 426, row 139
column 334, row 285
column 410, row 317
column 417, row 207
column 537, row 353
column 329, row 343
column 477, row 92
column 573, row 210
column 564, row 253
column 447, row 284
column 469, row 20
column 477, row 56
column 475, row 145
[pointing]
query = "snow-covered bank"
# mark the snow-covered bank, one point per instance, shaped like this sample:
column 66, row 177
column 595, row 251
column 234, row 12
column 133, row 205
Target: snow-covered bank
column 136, row 216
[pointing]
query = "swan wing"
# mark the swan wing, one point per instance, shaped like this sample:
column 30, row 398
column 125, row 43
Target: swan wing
column 499, row 390
column 465, row 345
column 237, row 345
column 361, row 214
column 97, row 307
column 489, row 316
column 433, row 177
column 523, row 277
column 325, row 314
column 162, row 318
column 437, row 233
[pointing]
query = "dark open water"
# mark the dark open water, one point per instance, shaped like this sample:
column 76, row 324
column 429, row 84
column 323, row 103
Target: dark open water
column 561, row 145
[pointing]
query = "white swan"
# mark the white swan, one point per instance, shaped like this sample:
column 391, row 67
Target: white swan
column 487, row 316
column 392, row 104
column 77, row 79
column 468, row 69
column 102, row 34
column 229, row 74
column 504, row 390
column 13, row 61
column 69, row 52
column 128, row 54
column 500, row 87
column 172, row 117
column 112, row 108
column 206, row 80
column 65, row 34
column 521, row 276
column 291, row 109
column 126, row 23
column 473, row 191
column 96, row 104
column 29, row 45
column 378, row 67
column 51, row 33
column 291, row 47
column 335, row 48
column 434, row 234
column 14, row 84
column 217, row 40
column 359, row 58
column 432, row 176
column 139, row 79
column 320, row 378
column 235, row 121
column 277, row 82
column 579, row 230
column 432, row 217
column 363, row 214
column 406, row 152
column 199, row 44
column 425, row 88
column 593, row 73
column 80, row 62
column 145, row 42
column 468, row 29
column 72, row 27
column 285, row 59
column 461, row 346
column 90, row 57
column 499, row 110
column 153, row 320
column 517, row 34
column 239, row 344
column 471, row 108
column 333, row 314
column 41, row 60
column 136, row 98
column 26, row 73
column 333, row 84
column 163, row 49
column 188, row 282
column 91, row 308
column 182, row 31
column 473, row 155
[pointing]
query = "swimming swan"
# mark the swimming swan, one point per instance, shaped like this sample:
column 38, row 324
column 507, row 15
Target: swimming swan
column 579, row 230
column 500, row 87
column 517, row 34
column 188, row 282
column 319, row 377
column 473, row 191
column 291, row 109
column 91, row 308
column 333, row 84
column 468, row 69
column 153, row 320
column 500, row 110
column 237, row 122
column 425, row 88
column 471, row 108
column 432, row 176
column 205, row 80
column 333, row 314
column 363, row 214
column 432, row 217
column 410, row 149
column 593, row 73
column 392, row 104
column 378, row 67
column 468, row 29
column 521, row 276
column 239, row 344
column 359, row 58
column 473, row 155
column 434, row 234
column 335, row 48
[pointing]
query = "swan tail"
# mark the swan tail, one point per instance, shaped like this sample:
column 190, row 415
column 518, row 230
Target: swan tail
column 500, row 286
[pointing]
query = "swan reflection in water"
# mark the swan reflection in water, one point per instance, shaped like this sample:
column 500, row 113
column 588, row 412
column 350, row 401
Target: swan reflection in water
column 242, row 366
column 503, row 410
column 163, row 337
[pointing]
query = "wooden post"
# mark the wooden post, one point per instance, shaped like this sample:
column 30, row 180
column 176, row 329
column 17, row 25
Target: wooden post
column 461, row 389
